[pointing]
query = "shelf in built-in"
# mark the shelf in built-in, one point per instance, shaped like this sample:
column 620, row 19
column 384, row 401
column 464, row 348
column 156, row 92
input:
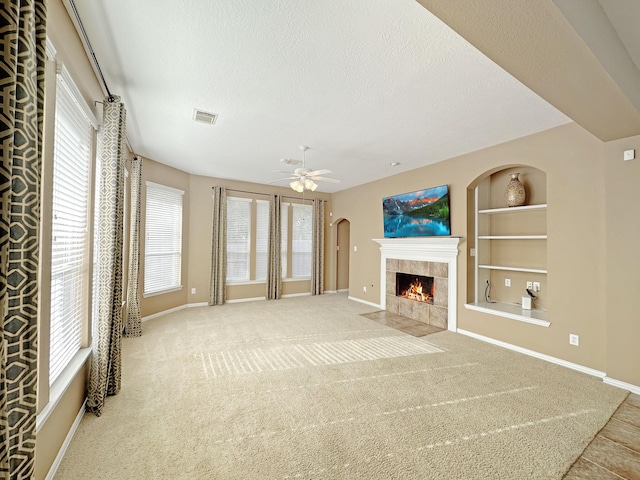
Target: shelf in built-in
column 512, row 311
column 525, row 208
column 512, row 237
column 513, row 269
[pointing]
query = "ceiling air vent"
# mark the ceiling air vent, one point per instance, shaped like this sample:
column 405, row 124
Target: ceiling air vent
column 204, row 117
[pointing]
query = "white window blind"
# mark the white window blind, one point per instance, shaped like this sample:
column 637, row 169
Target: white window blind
column 70, row 239
column 238, row 238
column 262, row 238
column 301, row 231
column 163, row 239
column 284, row 229
column 96, row 238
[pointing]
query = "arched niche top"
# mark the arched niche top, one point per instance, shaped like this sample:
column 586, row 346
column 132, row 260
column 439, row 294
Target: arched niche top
column 533, row 179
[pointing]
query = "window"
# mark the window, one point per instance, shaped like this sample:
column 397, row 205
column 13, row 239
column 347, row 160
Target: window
column 69, row 228
column 238, row 239
column 262, row 238
column 163, row 239
column 284, row 239
column 301, row 232
column 248, row 240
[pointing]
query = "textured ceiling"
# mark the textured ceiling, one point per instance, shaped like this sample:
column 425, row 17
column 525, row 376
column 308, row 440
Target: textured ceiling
column 363, row 83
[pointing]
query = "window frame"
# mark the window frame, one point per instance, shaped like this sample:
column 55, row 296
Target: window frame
column 50, row 395
column 81, row 324
column 260, row 229
column 175, row 239
column 295, row 208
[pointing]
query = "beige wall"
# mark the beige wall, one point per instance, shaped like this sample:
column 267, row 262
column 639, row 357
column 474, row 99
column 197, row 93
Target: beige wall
column 622, row 286
column 52, row 434
column 573, row 162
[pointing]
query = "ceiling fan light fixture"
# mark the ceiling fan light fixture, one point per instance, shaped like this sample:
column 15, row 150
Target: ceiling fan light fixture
column 310, row 184
column 297, row 185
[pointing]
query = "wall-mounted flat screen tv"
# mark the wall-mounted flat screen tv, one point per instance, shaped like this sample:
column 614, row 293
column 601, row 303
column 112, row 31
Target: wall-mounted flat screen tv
column 424, row 213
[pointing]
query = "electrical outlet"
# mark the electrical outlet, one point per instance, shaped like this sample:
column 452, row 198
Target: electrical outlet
column 472, row 252
column 364, row 289
column 536, row 286
column 193, row 291
column 529, row 285
column 507, row 282
column 574, row 339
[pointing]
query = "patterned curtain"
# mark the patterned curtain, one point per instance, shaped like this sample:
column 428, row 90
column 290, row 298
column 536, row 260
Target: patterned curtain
column 133, row 325
column 218, row 281
column 317, row 248
column 22, row 40
column 104, row 378
column 274, row 261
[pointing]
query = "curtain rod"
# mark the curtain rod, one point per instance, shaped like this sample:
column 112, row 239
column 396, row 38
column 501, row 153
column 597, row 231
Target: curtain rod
column 94, row 59
column 268, row 194
column 85, row 38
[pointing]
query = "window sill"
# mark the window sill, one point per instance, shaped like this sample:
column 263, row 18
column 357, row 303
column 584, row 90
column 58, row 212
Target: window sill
column 247, row 282
column 262, row 282
column 60, row 386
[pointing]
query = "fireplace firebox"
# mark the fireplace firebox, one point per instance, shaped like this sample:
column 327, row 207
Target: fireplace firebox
column 415, row 287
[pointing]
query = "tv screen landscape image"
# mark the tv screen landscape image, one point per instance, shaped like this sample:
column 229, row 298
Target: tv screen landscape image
column 424, row 213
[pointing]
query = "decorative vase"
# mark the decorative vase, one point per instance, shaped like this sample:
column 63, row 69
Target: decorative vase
column 515, row 194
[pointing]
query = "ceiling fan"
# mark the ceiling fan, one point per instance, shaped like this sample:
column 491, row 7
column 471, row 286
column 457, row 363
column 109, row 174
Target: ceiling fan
column 303, row 178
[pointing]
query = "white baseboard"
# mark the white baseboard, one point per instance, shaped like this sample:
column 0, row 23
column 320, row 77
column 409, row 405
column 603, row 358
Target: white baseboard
column 624, row 385
column 164, row 312
column 365, row 302
column 531, row 353
column 175, row 309
column 343, row 290
column 242, row 300
column 199, row 304
column 66, row 443
column 290, row 295
column 330, row 291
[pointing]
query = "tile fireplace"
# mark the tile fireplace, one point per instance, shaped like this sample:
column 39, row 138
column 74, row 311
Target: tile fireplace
column 418, row 279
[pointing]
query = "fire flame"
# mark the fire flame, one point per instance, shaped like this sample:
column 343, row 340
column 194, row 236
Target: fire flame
column 415, row 292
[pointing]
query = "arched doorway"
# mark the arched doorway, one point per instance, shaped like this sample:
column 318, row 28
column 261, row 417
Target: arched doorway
column 342, row 263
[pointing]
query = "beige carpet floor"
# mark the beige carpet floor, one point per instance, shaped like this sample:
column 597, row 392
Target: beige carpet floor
column 307, row 388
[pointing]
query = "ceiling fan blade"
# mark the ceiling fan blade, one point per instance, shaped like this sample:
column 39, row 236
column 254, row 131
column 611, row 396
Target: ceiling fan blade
column 281, row 180
column 324, row 171
column 325, row 179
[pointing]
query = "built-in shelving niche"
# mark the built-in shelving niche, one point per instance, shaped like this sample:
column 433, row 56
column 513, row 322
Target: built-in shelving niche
column 508, row 243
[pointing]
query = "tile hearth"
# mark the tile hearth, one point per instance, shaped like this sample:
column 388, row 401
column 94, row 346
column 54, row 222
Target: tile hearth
column 415, row 328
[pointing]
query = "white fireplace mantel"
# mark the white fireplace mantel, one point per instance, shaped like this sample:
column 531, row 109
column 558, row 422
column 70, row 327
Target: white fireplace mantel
column 425, row 249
